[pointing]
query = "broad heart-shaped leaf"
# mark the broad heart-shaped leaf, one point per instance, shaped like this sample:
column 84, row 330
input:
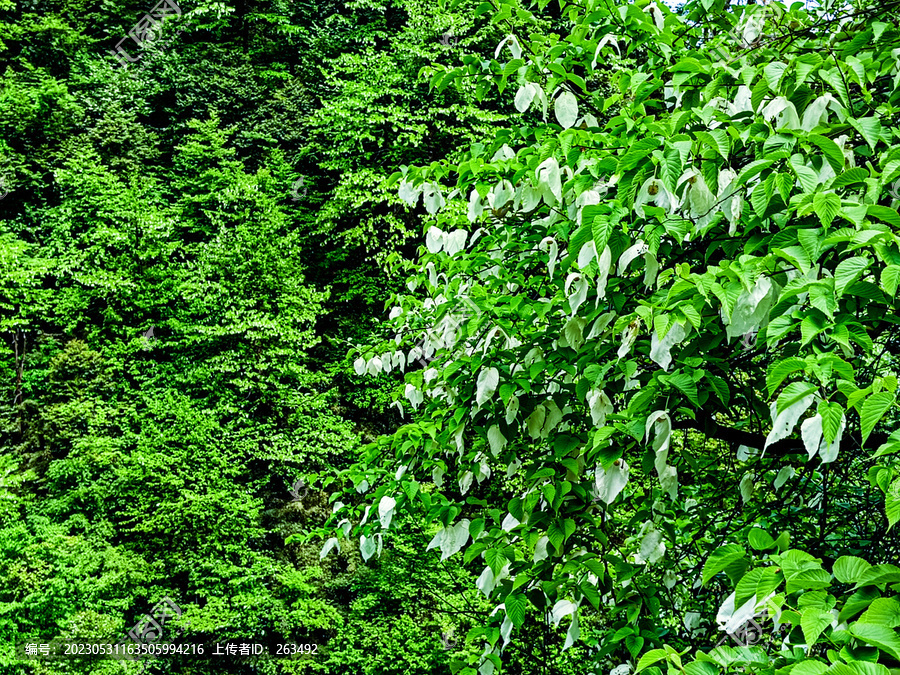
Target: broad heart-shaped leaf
column 651, row 657
column 886, row 639
column 884, row 213
column 557, row 535
column 495, row 560
column 890, row 278
column 807, row 177
column 722, row 558
column 756, row 584
column 773, row 73
column 831, row 151
column 717, row 139
column 779, row 370
column 826, row 207
column 638, row 151
column 813, row 621
column 850, row 177
column 873, row 410
column 869, row 128
column 810, row 579
column 883, row 612
column 566, row 109
column 847, row 272
column 601, row 228
column 857, row 602
column 760, row 540
column 884, row 573
column 516, row 605
column 832, row 414
column 809, row 668
column 701, row 668
column 890, row 446
column 685, row 384
column 892, row 503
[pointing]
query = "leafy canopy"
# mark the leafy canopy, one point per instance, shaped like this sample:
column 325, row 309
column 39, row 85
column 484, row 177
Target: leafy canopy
column 710, row 248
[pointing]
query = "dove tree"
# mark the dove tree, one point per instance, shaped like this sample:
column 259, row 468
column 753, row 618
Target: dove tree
column 684, row 343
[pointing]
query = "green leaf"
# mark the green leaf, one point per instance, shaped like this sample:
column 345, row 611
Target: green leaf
column 850, row 177
column 781, row 369
column 831, row 413
column 804, row 65
column 869, row 128
column 721, row 558
column 809, row 328
column 556, row 535
column 890, row 278
column 774, row 72
column 884, row 213
column 701, row 668
column 651, row 657
column 760, row 540
column 847, row 272
column 685, row 384
column 720, row 387
column 857, row 602
column 796, row 255
column 752, row 169
column 879, row 574
column 783, row 541
column 601, row 229
column 717, row 139
column 807, row 177
column 757, row 583
column 890, row 446
column 883, row 612
column 808, row 667
column 758, row 93
column 811, row 579
column 635, row 155
column 784, row 183
column 826, row 207
column 873, row 410
column 761, row 196
column 813, row 621
column 831, row 151
column 516, row 604
column 582, row 236
column 886, row 639
column 495, row 559
column 892, row 504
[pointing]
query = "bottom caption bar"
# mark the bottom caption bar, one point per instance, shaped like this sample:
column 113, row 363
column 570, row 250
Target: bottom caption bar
column 99, row 649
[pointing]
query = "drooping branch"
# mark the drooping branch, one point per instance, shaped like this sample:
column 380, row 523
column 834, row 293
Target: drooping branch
column 788, row 446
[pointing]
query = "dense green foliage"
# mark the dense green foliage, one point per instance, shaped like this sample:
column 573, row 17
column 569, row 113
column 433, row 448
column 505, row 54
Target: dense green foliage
column 173, row 309
column 637, row 379
column 662, row 326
